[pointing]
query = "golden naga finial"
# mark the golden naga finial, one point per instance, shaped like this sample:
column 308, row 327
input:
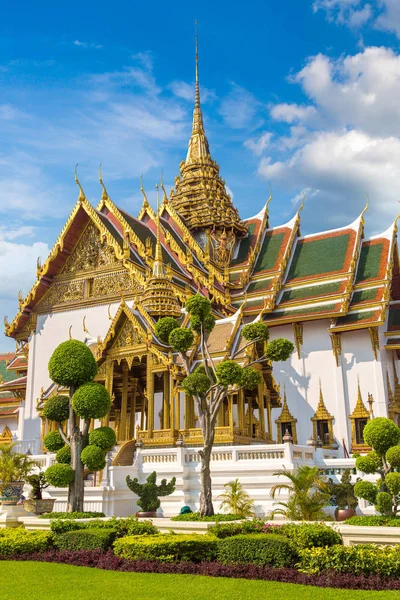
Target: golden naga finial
column 145, row 201
column 6, row 323
column 165, row 197
column 20, row 297
column 70, row 333
column 365, row 209
column 85, row 329
column 109, row 313
column 38, row 265
column 104, row 195
column 81, row 192
column 303, row 200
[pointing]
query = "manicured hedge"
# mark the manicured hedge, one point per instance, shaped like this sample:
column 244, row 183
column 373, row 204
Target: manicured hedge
column 20, row 541
column 167, row 548
column 363, row 559
column 259, row 549
column 121, row 527
column 310, row 535
column 224, row 530
column 374, row 521
column 195, row 516
column 85, row 539
column 72, row 515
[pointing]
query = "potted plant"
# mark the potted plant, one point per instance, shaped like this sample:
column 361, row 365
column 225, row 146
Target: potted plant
column 149, row 493
column 36, row 503
column 14, row 468
column 343, row 497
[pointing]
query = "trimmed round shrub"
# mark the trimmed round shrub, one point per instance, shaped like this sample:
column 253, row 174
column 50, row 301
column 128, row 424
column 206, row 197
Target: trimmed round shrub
column 259, row 549
column 255, row 331
column 366, row 490
column 164, row 327
column 392, row 482
column 167, row 548
column 228, row 373
column 63, row 456
column 196, row 383
column 199, row 306
column 57, row 408
column 181, row 339
column 250, row 378
column 393, row 457
column 369, row 463
column 72, row 364
column 85, row 539
column 208, row 321
column 91, row 401
column 53, row 441
column 384, row 503
column 103, row 437
column 310, row 535
column 59, row 475
column 93, row 458
column 381, row 434
column 279, row 349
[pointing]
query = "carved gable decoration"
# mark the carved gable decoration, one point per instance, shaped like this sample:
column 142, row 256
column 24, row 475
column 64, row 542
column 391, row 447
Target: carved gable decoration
column 128, row 336
column 90, row 253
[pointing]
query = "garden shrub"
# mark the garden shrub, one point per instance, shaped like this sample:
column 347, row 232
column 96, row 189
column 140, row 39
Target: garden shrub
column 258, row 549
column 20, row 541
column 363, row 559
column 195, row 516
column 121, row 527
column 223, row 530
column 85, row 539
column 72, row 363
column 307, row 535
column 72, row 515
column 374, row 521
column 167, row 548
column 59, row 475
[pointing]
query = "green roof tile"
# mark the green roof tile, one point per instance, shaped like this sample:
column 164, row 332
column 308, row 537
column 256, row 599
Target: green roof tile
column 269, row 251
column 363, row 295
column 354, row 317
column 370, row 262
column 6, row 375
column 245, row 245
column 319, row 256
column 302, row 311
column 311, row 291
column 263, row 284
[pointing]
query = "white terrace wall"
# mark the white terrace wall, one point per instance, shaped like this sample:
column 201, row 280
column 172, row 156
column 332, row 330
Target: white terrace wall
column 254, row 466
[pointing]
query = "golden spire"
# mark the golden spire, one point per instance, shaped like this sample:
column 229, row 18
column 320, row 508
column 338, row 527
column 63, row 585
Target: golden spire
column 81, row 192
column 158, row 267
column 198, row 126
column 104, row 194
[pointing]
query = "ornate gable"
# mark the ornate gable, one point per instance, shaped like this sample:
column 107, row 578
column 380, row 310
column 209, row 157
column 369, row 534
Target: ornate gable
column 91, row 252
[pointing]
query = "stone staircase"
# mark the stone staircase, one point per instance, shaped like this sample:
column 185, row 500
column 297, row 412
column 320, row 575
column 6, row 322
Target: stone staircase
column 125, row 454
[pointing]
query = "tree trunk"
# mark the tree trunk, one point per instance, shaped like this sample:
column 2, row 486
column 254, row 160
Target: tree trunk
column 206, row 505
column 76, row 488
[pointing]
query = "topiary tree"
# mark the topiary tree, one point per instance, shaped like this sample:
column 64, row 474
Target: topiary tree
column 149, row 492
column 210, row 384
column 383, row 435
column 72, row 365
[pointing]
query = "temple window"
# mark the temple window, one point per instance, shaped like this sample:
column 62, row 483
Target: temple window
column 359, row 418
column 359, row 429
column 286, row 422
column 322, row 423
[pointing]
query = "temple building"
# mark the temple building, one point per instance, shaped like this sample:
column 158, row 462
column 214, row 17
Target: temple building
column 111, row 275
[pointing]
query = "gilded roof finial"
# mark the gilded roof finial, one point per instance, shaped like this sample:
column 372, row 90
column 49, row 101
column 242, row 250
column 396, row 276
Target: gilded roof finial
column 365, row 209
column 158, row 267
column 70, row 332
column 165, row 197
column 197, row 115
column 104, row 195
column 81, row 192
column 145, row 201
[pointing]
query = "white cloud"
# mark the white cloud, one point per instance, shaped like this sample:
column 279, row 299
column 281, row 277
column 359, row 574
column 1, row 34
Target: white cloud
column 389, row 19
column 18, row 266
column 290, row 113
column 11, row 234
column 87, row 45
column 259, row 144
column 185, row 90
column 240, row 108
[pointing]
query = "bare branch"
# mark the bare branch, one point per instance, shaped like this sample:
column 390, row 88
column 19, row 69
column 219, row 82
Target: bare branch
column 64, row 437
column 240, row 350
column 205, row 352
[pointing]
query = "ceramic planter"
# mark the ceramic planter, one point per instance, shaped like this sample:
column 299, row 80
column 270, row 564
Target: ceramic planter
column 12, row 493
column 146, row 515
column 39, row 507
column 341, row 514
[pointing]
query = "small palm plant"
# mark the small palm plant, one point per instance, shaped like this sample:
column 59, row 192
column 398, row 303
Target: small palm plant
column 14, row 466
column 308, row 494
column 236, row 500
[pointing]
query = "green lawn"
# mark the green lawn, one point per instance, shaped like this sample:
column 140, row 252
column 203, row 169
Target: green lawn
column 48, row 581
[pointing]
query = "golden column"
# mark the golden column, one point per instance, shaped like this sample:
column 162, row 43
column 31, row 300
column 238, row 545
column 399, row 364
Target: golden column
column 172, row 408
column 124, row 400
column 150, row 396
column 166, row 400
column 109, row 386
column 178, row 410
column 260, row 399
column 134, row 382
column 241, row 412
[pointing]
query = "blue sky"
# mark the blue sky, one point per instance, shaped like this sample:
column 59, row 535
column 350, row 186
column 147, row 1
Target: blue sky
column 302, row 95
